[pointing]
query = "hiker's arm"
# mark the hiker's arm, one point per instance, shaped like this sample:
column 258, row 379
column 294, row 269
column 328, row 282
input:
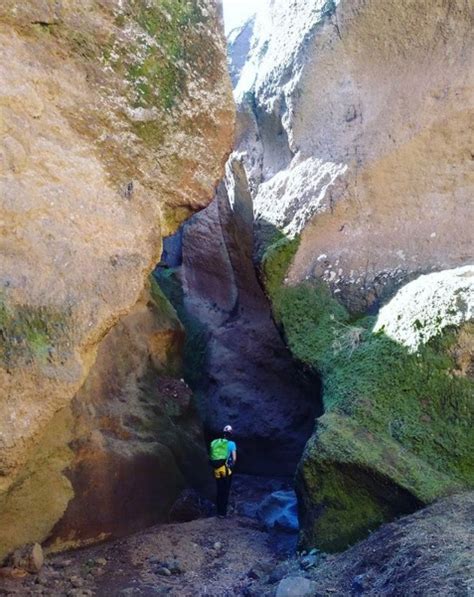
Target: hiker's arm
column 234, row 456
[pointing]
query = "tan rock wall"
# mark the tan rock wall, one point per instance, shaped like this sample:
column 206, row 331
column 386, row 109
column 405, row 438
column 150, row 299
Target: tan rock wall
column 362, row 141
column 115, row 121
column 136, row 438
column 393, row 102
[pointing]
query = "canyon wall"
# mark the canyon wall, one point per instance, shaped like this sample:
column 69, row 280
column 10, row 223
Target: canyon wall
column 237, row 363
column 116, row 120
column 353, row 129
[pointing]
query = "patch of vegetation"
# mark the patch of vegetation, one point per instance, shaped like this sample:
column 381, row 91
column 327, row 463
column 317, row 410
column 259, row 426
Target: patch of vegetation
column 30, row 334
column 276, row 260
column 360, row 499
column 417, row 415
column 165, row 308
column 160, row 74
column 195, row 346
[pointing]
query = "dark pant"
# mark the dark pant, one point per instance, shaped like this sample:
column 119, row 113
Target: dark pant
column 222, row 497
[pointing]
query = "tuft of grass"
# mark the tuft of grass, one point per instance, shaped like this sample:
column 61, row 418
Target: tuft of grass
column 31, row 334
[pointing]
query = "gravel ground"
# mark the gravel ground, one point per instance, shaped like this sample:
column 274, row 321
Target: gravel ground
column 208, row 557
column 426, row 554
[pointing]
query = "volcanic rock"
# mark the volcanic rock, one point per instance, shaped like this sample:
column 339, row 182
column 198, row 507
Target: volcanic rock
column 237, row 362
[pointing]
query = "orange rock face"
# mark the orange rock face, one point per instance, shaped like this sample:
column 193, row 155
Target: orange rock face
column 136, row 439
column 116, row 119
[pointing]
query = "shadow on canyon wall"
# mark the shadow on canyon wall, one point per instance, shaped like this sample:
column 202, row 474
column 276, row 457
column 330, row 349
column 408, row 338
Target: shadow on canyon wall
column 235, row 359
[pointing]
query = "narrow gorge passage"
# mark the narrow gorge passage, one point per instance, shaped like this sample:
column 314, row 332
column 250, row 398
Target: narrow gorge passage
column 264, row 224
column 235, row 359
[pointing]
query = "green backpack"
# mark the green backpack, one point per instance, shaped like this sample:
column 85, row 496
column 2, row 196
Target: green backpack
column 219, row 451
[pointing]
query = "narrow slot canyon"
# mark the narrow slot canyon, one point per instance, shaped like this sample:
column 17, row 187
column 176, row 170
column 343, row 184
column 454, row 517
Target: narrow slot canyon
column 253, row 214
column 235, row 360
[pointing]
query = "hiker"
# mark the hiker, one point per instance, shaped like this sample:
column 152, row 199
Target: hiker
column 223, row 456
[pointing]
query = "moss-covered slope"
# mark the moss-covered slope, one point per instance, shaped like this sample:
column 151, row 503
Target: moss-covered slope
column 397, row 425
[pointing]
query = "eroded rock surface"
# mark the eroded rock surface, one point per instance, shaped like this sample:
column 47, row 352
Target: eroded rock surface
column 137, row 441
column 116, row 119
column 353, row 130
column 240, row 368
column 360, row 138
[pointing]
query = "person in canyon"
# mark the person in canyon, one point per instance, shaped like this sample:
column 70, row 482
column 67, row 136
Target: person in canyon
column 223, row 457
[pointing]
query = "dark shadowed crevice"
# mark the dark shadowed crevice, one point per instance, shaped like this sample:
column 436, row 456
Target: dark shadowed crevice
column 236, row 361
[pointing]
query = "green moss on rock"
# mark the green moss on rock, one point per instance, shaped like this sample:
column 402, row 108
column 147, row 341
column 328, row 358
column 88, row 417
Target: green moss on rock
column 31, row 334
column 165, row 310
column 392, row 419
column 195, row 346
column 276, row 260
column 159, row 76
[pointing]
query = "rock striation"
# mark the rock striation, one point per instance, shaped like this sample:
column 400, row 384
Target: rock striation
column 116, row 119
column 353, row 129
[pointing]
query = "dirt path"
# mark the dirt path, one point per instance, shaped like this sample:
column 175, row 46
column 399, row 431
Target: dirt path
column 426, row 554
column 208, row 557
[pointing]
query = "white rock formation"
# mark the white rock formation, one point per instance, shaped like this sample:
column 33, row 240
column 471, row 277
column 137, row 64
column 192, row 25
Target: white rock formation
column 423, row 308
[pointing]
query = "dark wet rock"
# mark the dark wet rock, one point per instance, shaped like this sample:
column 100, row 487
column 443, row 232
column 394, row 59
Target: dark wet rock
column 309, row 561
column 175, row 567
column 360, row 584
column 190, row 505
column 62, row 563
column 163, row 571
column 261, row 570
column 279, row 510
column 279, row 572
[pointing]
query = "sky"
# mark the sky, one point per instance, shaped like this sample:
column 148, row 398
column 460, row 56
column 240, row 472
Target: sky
column 237, row 11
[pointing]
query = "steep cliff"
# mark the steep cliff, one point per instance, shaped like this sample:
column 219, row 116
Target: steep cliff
column 353, row 129
column 360, row 115
column 116, row 119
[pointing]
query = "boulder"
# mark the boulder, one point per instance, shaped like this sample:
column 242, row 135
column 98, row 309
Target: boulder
column 29, row 558
column 279, row 511
column 296, row 586
column 422, row 309
column 190, row 505
column 396, row 430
